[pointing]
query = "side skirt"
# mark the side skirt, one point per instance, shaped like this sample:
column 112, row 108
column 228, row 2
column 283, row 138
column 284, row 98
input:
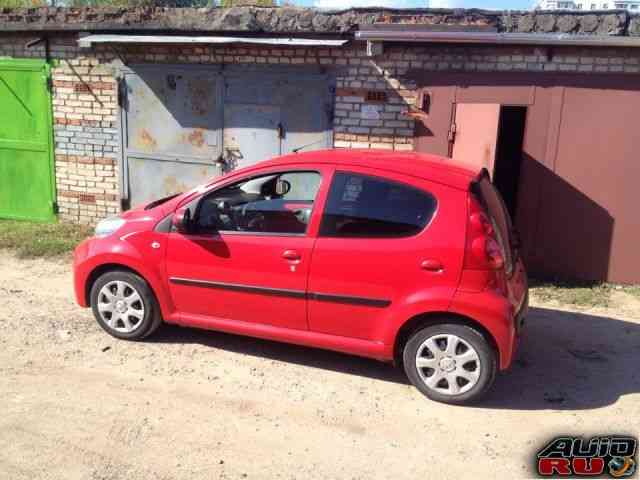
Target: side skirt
column 353, row 346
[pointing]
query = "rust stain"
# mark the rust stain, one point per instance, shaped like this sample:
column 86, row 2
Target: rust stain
column 199, row 91
column 172, row 185
column 147, row 140
column 196, row 138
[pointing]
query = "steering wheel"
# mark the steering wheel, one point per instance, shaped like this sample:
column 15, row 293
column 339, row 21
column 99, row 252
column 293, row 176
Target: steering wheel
column 251, row 220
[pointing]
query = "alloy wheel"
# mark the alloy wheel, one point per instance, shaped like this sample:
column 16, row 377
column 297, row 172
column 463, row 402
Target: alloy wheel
column 448, row 364
column 120, row 306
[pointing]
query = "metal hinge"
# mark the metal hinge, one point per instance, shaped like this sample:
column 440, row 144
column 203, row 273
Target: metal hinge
column 49, row 83
column 55, row 208
column 122, row 93
column 452, row 133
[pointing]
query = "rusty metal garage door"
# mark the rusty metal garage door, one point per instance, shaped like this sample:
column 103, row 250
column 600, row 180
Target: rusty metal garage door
column 171, row 130
column 183, row 125
column 271, row 112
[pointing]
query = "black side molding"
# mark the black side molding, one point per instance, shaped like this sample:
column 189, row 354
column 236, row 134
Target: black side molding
column 279, row 292
column 369, row 302
column 282, row 292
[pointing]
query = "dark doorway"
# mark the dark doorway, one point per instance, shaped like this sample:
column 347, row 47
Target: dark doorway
column 506, row 174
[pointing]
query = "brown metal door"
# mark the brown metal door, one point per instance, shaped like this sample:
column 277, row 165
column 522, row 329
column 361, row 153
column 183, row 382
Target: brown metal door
column 476, row 133
column 432, row 129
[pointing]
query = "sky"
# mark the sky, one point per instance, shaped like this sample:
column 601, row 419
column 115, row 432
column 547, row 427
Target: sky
column 488, row 4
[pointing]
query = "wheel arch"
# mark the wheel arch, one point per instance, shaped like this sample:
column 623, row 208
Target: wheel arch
column 110, row 267
column 422, row 320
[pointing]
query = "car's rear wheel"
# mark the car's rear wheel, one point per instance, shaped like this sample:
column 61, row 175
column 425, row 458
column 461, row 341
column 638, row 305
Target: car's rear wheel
column 450, row 363
column 124, row 305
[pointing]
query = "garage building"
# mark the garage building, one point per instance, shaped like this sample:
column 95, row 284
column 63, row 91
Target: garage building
column 105, row 109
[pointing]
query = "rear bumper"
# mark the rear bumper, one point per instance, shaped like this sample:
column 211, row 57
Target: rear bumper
column 496, row 314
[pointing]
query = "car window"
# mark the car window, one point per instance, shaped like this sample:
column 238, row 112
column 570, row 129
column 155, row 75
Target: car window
column 277, row 203
column 365, row 206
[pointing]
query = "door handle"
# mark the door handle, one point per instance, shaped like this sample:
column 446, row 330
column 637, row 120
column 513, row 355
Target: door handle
column 290, row 255
column 432, row 265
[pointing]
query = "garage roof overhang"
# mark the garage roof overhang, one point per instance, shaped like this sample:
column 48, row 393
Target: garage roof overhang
column 89, row 40
column 376, row 36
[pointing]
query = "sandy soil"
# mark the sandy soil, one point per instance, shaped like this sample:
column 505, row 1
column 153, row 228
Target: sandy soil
column 78, row 404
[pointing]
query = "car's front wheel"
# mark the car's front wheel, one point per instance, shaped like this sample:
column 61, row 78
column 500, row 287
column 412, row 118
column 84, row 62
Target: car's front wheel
column 450, row 362
column 124, row 305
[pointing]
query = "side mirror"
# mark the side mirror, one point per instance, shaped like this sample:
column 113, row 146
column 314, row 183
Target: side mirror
column 182, row 221
column 282, row 187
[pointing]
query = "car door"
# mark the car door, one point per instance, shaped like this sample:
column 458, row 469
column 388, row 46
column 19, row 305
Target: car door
column 246, row 256
column 375, row 234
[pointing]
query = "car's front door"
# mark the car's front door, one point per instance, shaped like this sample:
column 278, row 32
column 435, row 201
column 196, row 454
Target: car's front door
column 247, row 255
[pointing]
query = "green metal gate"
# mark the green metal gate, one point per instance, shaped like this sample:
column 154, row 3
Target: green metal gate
column 27, row 185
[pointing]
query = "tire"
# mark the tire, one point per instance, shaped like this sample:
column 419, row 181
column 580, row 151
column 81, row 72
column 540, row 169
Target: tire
column 458, row 365
column 124, row 305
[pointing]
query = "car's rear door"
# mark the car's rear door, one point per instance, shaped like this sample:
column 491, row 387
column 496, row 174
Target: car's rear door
column 379, row 242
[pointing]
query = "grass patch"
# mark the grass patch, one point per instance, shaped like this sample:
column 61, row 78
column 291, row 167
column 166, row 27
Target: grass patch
column 30, row 240
column 579, row 293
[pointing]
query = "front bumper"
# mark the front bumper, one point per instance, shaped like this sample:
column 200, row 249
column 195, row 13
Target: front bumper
column 81, row 272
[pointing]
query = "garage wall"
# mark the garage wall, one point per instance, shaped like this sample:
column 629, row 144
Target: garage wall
column 85, row 96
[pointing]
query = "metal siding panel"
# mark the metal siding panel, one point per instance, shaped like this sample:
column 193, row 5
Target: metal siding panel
column 431, row 134
column 596, row 192
column 171, row 126
column 178, row 115
column 304, row 107
column 476, row 134
column 166, row 178
column 26, row 172
column 173, row 114
column 306, row 117
column 514, row 95
column 250, row 133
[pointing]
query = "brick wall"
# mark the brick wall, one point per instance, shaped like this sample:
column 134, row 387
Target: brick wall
column 85, row 96
column 87, row 143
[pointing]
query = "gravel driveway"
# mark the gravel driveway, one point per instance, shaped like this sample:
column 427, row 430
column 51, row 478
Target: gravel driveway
column 78, row 404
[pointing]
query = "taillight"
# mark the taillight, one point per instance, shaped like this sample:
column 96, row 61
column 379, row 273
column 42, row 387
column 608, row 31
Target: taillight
column 483, row 248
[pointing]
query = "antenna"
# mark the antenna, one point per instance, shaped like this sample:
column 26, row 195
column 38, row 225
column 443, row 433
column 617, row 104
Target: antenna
column 297, row 149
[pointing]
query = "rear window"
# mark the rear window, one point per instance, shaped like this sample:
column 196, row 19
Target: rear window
column 365, row 206
column 492, row 201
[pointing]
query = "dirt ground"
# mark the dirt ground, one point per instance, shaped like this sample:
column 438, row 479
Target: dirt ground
column 78, row 404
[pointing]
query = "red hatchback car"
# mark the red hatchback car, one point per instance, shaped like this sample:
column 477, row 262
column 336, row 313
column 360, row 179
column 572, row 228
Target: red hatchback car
column 395, row 256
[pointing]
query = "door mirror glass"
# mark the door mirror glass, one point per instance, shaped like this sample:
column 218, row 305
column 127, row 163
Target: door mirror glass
column 282, row 187
column 182, row 221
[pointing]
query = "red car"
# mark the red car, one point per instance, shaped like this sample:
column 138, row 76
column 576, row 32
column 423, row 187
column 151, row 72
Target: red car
column 400, row 257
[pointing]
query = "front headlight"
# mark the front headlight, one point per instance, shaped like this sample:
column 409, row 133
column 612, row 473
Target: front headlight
column 108, row 226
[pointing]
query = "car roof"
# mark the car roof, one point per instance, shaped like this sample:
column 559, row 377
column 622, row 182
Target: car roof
column 430, row 167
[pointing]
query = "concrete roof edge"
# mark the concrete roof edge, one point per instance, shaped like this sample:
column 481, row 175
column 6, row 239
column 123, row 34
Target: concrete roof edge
column 308, row 21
